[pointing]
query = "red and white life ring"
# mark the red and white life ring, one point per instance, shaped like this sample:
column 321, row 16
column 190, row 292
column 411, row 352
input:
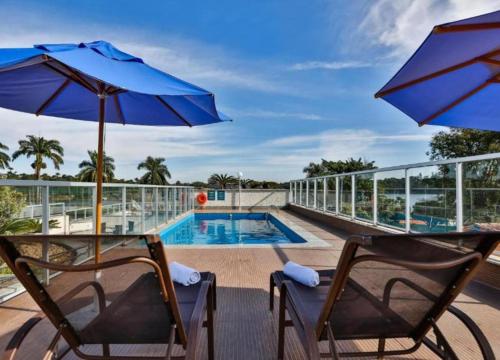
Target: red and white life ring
column 201, row 198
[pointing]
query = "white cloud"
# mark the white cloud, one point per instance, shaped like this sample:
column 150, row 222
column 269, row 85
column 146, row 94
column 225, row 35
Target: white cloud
column 260, row 113
column 329, row 65
column 400, row 26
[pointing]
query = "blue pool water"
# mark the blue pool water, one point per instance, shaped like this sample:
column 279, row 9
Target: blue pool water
column 229, row 229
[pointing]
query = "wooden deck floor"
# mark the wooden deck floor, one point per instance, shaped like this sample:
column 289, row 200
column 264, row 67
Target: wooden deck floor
column 245, row 329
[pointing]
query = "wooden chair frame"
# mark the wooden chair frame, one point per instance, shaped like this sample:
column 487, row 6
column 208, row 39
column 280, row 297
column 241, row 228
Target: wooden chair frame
column 311, row 333
column 20, row 265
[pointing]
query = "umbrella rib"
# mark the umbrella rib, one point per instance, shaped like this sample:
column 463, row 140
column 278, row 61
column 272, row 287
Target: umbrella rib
column 437, row 73
column 119, row 108
column 466, row 27
column 168, row 106
column 70, row 76
column 458, row 101
column 52, row 97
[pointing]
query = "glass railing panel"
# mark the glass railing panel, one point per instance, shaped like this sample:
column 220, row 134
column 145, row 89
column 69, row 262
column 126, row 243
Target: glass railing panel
column 303, row 193
column 330, row 194
column 134, row 211
column 433, row 198
column 364, row 196
column 310, row 200
column 345, row 193
column 171, row 210
column 149, row 209
column 71, row 210
column 112, row 202
column 391, row 198
column 162, row 210
column 320, row 194
column 481, row 195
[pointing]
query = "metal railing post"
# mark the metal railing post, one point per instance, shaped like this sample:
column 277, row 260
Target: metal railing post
column 94, row 201
column 375, row 199
column 166, row 205
column 156, row 207
column 290, row 193
column 459, row 197
column 325, row 189
column 353, row 196
column 315, row 194
column 45, row 230
column 124, row 210
column 295, row 192
column 143, row 210
column 337, row 195
column 175, row 202
column 407, row 202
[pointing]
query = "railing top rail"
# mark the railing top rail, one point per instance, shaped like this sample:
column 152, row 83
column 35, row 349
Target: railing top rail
column 12, row 182
column 410, row 166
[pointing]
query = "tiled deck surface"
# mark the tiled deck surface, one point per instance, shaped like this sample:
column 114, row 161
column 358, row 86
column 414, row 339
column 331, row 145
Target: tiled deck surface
column 245, row 329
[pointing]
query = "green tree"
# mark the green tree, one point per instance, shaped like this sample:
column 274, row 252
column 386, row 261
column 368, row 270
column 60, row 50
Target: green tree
column 463, row 142
column 221, row 180
column 88, row 168
column 40, row 148
column 4, row 157
column 156, row 171
column 337, row 167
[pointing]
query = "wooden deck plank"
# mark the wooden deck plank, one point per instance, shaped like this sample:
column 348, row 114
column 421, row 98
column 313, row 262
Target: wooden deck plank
column 245, row 329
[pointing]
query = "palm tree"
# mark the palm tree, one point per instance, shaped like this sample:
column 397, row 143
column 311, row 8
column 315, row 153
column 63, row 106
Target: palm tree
column 221, row 180
column 88, row 168
column 40, row 148
column 4, row 157
column 156, row 171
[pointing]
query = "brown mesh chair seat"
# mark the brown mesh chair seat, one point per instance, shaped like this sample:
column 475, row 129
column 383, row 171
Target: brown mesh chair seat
column 127, row 299
column 357, row 315
column 386, row 286
column 122, row 323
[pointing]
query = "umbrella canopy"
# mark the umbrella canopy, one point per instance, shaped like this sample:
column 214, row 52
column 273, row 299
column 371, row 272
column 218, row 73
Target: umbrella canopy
column 453, row 79
column 62, row 80
column 98, row 82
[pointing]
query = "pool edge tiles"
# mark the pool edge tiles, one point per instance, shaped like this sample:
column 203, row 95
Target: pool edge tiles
column 285, row 225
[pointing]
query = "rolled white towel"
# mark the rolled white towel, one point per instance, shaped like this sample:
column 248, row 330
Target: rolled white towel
column 301, row 274
column 183, row 275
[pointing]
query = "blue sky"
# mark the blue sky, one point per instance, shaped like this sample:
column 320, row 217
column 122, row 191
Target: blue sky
column 298, row 77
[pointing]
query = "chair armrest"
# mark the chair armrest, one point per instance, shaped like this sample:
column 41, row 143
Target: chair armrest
column 16, row 341
column 197, row 319
column 297, row 312
column 79, row 288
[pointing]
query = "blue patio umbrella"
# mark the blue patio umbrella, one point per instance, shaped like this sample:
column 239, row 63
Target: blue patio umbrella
column 453, row 79
column 98, row 82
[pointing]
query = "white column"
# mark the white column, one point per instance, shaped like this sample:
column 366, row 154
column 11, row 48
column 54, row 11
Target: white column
column 407, row 202
column 459, row 197
column 375, row 199
column 353, row 196
column 124, row 210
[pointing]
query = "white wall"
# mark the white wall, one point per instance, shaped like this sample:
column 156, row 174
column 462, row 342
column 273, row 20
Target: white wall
column 249, row 198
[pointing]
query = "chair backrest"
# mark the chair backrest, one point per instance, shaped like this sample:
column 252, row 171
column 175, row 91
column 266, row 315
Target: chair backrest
column 405, row 280
column 59, row 273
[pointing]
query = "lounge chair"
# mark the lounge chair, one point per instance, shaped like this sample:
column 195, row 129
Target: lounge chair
column 385, row 287
column 94, row 315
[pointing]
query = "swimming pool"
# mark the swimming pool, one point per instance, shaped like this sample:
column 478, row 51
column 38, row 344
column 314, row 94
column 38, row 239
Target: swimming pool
column 229, row 229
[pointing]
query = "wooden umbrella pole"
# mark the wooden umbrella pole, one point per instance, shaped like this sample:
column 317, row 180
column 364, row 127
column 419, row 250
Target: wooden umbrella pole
column 100, row 156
